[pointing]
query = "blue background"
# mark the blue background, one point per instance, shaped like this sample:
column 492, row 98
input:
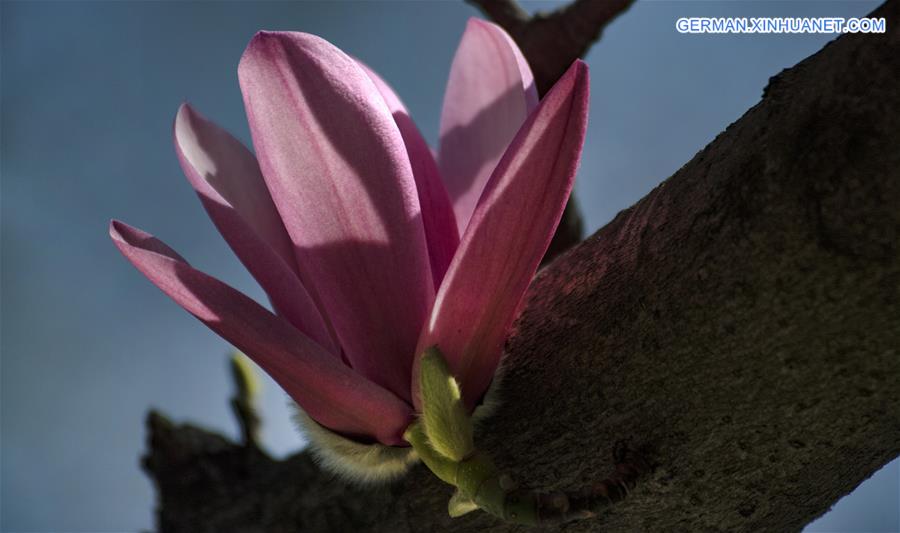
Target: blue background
column 89, row 91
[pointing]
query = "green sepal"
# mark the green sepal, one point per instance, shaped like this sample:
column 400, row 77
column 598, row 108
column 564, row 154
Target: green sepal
column 479, row 479
column 447, row 423
column 460, row 504
column 443, row 468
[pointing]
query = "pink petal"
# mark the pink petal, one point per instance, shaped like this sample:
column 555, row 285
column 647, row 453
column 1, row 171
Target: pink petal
column 437, row 212
column 489, row 94
column 509, row 233
column 227, row 180
column 337, row 167
column 330, row 392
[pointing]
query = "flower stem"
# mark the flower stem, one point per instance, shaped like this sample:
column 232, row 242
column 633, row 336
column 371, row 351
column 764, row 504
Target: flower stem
column 442, row 437
column 480, row 484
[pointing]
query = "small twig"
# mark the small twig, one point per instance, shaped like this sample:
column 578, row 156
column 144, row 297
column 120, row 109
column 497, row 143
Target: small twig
column 243, row 403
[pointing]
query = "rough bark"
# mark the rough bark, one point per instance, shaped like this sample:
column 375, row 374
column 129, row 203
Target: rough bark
column 551, row 42
column 741, row 323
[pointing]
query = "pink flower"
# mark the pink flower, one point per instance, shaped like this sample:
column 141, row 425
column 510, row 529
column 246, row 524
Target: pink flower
column 353, row 229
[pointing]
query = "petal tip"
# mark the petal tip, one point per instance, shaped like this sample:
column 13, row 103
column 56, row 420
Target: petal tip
column 183, row 118
column 121, row 232
column 113, row 230
column 186, row 110
column 581, row 68
column 582, row 77
column 475, row 24
column 257, row 46
column 267, row 37
column 576, row 80
column 263, row 35
column 268, row 46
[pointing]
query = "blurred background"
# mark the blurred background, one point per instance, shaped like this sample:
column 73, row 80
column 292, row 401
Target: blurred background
column 88, row 93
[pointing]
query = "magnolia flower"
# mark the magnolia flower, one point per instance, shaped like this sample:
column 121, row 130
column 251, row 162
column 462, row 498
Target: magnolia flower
column 371, row 249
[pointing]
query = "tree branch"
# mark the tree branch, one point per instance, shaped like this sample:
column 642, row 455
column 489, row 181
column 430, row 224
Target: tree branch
column 507, row 13
column 739, row 322
column 551, row 42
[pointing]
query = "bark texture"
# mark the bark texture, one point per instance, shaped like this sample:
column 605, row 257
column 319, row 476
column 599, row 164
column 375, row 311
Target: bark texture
column 740, row 324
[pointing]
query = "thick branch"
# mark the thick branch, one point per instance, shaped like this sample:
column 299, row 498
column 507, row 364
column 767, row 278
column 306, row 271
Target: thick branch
column 551, row 42
column 740, row 322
